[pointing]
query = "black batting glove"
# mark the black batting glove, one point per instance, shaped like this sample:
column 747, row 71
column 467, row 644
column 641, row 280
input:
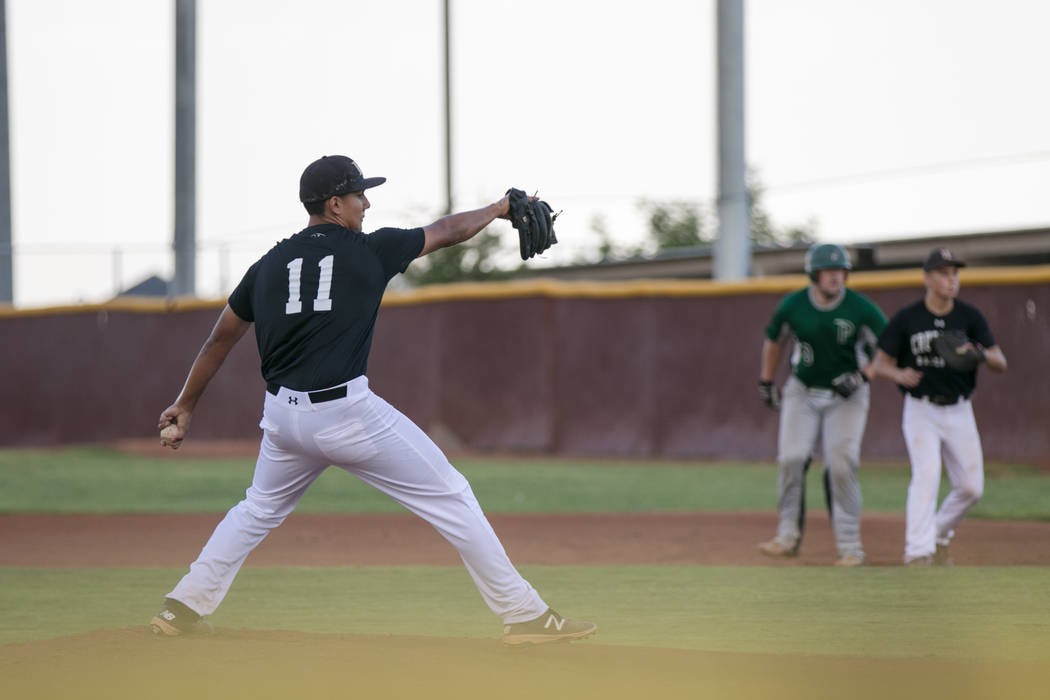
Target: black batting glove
column 768, row 394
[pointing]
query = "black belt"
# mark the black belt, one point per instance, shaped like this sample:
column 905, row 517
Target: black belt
column 315, row 396
column 940, row 400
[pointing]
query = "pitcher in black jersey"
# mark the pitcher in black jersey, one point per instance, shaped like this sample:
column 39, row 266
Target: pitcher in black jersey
column 313, row 299
column 938, row 419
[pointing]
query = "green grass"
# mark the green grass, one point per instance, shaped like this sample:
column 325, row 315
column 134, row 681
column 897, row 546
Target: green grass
column 963, row 612
column 98, row 480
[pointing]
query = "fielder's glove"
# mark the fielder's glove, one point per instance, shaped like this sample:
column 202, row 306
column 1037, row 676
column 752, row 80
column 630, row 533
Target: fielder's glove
column 534, row 222
column 958, row 351
column 847, row 383
column 768, row 394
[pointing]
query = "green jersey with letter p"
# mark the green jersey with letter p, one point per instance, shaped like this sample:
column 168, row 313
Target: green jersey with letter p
column 829, row 341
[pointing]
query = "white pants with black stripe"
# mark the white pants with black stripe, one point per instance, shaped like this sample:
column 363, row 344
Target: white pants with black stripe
column 372, row 440
column 934, row 433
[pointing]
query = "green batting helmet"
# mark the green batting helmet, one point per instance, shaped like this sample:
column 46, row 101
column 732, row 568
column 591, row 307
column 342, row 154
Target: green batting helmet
column 826, row 256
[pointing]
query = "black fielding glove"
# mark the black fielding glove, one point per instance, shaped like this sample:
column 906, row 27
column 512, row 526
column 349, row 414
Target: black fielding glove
column 958, row 351
column 534, row 222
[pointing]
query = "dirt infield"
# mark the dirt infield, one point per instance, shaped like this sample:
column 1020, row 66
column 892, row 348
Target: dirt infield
column 73, row 541
column 130, row 663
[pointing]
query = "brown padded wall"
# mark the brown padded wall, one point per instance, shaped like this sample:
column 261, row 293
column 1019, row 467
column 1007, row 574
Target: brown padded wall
column 667, row 377
column 663, row 376
column 101, row 375
column 476, row 372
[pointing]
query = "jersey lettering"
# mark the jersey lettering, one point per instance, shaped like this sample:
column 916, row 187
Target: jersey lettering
column 845, row 330
column 295, row 279
column 323, row 302
column 921, row 344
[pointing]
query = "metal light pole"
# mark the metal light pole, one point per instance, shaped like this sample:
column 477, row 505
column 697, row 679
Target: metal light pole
column 6, row 250
column 448, row 109
column 732, row 253
column 185, row 241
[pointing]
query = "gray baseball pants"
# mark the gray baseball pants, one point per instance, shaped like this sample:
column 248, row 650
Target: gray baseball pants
column 808, row 414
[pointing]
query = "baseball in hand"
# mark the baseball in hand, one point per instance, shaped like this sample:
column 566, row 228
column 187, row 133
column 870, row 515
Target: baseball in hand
column 170, row 433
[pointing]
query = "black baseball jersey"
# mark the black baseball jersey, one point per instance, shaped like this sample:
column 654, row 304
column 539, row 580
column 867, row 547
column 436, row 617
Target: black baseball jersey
column 314, row 298
column 908, row 338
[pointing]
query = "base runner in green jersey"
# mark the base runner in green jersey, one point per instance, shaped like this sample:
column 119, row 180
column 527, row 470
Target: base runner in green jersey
column 826, row 397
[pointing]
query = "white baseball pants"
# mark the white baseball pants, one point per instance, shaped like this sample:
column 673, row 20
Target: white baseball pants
column 372, row 440
column 931, row 433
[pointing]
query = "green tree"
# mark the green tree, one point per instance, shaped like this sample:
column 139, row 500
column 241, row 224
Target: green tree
column 606, row 247
column 672, row 224
column 470, row 261
column 675, row 223
column 763, row 231
column 599, row 227
column 678, row 223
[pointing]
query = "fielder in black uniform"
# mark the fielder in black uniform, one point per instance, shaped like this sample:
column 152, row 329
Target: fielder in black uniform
column 313, row 299
column 938, row 419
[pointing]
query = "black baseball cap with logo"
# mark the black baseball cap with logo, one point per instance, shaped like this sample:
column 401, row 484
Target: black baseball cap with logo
column 941, row 257
column 333, row 176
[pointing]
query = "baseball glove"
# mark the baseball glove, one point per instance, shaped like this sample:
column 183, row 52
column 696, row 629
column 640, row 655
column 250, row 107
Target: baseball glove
column 534, row 222
column 958, row 351
column 847, row 383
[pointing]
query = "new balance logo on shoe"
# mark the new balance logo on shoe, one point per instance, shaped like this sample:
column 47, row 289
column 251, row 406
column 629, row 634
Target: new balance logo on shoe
column 548, row 627
column 175, row 620
column 552, row 620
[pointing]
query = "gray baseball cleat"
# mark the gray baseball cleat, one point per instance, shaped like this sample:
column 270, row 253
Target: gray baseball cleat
column 850, row 559
column 777, row 547
column 924, row 560
column 548, row 627
column 175, row 620
column 941, row 557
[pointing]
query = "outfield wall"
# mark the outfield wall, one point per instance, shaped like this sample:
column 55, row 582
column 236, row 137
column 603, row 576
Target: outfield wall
column 658, row 368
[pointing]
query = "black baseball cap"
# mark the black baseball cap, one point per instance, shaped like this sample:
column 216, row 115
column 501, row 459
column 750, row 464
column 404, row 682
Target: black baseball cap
column 941, row 257
column 333, row 176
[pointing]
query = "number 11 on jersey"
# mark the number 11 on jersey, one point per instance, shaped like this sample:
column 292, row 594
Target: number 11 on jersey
column 323, row 302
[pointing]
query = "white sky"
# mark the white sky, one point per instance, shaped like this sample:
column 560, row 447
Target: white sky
column 877, row 120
